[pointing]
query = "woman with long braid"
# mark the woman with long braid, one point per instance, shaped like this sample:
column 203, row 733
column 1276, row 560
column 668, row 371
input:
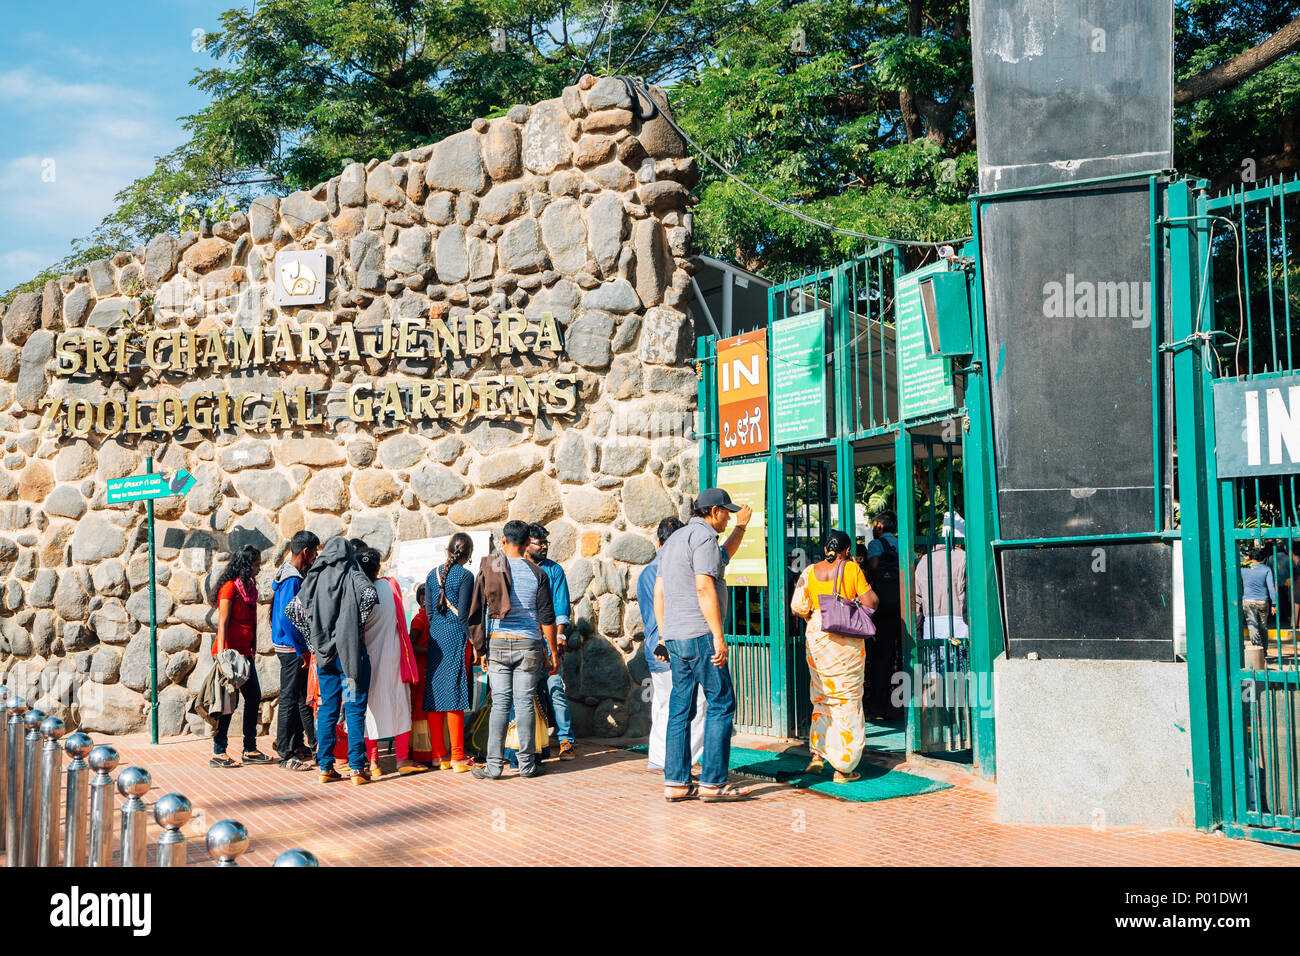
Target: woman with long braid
column 447, row 595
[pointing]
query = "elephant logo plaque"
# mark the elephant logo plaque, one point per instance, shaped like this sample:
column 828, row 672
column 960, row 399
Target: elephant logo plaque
column 300, row 278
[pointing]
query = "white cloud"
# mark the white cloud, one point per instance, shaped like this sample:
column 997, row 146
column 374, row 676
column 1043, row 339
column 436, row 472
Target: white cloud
column 93, row 138
column 26, row 263
column 25, row 88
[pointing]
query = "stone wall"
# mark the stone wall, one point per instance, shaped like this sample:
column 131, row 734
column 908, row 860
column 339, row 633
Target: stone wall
column 574, row 206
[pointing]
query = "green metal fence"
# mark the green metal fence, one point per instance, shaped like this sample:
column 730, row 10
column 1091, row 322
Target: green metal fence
column 1236, row 277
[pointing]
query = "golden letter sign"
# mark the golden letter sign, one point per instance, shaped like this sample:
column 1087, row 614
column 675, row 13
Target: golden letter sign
column 744, row 426
column 436, row 339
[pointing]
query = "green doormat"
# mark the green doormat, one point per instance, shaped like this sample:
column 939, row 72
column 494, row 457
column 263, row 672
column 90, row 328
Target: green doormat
column 877, row 783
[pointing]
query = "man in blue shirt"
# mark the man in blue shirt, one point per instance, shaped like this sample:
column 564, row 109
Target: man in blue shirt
column 295, row 717
column 1258, row 596
column 538, row 548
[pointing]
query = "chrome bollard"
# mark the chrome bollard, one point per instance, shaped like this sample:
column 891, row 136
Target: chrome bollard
column 133, row 783
column 103, row 760
column 227, row 841
column 172, row 811
column 4, row 768
column 296, row 858
column 75, row 820
column 31, row 787
column 15, row 707
column 47, row 849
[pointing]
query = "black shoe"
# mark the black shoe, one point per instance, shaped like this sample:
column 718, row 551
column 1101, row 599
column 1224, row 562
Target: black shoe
column 481, row 773
column 537, row 772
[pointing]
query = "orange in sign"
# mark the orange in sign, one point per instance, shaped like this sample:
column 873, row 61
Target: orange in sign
column 743, row 419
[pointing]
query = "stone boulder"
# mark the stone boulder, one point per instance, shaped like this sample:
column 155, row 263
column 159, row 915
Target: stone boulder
column 456, row 164
column 111, row 709
column 603, row 674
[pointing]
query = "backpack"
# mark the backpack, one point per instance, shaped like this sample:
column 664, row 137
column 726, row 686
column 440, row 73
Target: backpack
column 884, row 580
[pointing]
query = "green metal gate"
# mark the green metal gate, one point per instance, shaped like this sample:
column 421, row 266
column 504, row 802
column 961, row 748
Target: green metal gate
column 812, row 488
column 1236, row 288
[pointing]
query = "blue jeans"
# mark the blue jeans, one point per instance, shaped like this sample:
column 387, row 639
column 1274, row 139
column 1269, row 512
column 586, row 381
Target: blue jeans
column 692, row 665
column 515, row 668
column 333, row 695
column 560, row 701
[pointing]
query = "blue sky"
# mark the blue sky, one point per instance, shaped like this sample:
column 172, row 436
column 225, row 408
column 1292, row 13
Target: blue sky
column 90, row 92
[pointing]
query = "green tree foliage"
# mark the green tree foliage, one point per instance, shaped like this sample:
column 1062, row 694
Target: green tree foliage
column 1251, row 129
column 860, row 113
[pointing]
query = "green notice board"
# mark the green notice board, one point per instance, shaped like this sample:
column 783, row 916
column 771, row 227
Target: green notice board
column 924, row 384
column 799, row 377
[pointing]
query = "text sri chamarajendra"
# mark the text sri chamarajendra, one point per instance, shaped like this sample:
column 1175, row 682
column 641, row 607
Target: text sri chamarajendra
column 90, row 352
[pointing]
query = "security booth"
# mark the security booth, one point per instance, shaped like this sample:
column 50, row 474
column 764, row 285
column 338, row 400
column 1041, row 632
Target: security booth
column 842, row 407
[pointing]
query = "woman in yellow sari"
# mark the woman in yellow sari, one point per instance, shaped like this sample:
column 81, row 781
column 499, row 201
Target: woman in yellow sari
column 835, row 663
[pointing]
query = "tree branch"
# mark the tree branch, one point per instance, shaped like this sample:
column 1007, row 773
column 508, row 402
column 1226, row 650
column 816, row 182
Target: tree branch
column 906, row 99
column 1241, row 66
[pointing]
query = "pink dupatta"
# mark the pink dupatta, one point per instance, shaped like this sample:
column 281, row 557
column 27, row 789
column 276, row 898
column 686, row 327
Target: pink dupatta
column 410, row 671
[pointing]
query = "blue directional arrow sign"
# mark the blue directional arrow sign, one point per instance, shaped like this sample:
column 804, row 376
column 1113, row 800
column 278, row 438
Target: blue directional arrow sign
column 140, row 487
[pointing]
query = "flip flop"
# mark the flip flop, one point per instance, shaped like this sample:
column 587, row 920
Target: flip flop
column 222, row 760
column 257, row 757
column 725, row 794
column 297, row 763
column 692, row 791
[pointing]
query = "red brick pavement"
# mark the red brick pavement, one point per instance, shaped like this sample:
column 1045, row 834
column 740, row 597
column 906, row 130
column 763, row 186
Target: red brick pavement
column 605, row 809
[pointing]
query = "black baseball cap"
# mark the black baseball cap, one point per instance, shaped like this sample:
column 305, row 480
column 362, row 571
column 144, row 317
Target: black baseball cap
column 715, row 498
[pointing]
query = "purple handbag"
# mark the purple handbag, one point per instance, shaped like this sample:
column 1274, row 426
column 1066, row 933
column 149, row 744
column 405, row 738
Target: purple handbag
column 842, row 616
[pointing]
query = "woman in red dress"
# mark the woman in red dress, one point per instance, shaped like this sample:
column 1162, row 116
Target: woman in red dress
column 234, row 595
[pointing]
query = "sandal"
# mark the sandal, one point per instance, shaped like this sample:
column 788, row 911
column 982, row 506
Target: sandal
column 725, row 794
column 462, row 766
column 847, row 777
column 410, row 768
column 692, row 791
column 256, row 756
column 297, row 763
column 816, row 765
column 221, row 760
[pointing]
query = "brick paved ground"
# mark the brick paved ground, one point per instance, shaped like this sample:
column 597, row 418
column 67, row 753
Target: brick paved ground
column 604, row 808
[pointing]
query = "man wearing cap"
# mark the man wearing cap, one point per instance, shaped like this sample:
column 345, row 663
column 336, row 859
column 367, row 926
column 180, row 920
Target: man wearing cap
column 690, row 600
column 661, row 676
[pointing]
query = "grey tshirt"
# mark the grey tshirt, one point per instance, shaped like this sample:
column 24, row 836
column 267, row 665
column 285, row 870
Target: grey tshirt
column 692, row 549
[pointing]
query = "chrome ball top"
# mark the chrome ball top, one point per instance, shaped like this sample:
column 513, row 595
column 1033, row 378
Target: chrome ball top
column 77, row 745
column 296, row 858
column 173, row 810
column 52, row 728
column 133, row 782
column 16, row 705
column 103, row 759
column 226, row 839
column 32, row 720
